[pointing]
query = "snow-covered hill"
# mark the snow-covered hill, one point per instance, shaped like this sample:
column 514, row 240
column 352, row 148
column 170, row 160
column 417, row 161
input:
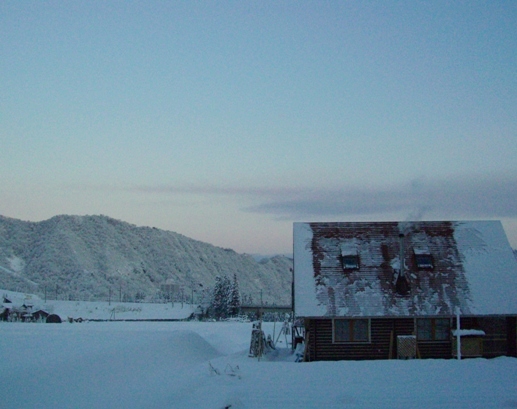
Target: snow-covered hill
column 97, row 257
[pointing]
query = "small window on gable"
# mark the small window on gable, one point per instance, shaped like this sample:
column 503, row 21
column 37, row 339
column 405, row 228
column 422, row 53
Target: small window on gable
column 349, row 257
column 423, row 259
column 350, row 262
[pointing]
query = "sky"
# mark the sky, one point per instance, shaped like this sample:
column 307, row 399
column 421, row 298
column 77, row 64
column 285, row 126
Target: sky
column 228, row 121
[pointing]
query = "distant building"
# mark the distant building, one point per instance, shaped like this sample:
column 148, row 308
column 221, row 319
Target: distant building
column 24, row 312
column 380, row 290
column 169, row 288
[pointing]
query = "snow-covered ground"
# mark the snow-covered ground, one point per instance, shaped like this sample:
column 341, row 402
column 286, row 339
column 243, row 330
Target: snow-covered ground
column 100, row 310
column 168, row 365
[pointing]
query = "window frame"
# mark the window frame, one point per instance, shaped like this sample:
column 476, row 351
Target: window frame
column 349, row 256
column 350, row 265
column 434, row 330
column 424, row 260
column 351, row 331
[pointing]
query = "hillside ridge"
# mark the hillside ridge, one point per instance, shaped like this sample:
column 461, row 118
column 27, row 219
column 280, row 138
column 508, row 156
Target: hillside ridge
column 96, row 257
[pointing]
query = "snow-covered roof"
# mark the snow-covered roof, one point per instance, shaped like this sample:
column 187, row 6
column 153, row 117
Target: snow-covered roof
column 349, row 248
column 421, row 250
column 473, row 269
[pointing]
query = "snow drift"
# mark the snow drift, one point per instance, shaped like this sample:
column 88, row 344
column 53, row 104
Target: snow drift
column 166, row 365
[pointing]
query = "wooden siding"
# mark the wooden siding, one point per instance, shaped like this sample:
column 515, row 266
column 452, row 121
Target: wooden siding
column 511, row 323
column 321, row 347
column 500, row 334
column 435, row 349
column 500, row 339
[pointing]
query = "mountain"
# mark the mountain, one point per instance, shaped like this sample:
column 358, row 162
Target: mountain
column 97, row 257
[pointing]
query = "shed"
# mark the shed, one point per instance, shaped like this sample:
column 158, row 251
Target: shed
column 361, row 287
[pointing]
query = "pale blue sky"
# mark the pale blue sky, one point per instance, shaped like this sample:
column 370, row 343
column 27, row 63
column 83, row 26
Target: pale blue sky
column 227, row 121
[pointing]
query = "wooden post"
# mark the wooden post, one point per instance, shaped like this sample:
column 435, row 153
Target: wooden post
column 306, row 346
column 458, row 336
column 391, row 345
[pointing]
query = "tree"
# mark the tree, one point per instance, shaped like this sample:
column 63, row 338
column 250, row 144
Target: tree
column 235, row 297
column 220, row 305
column 226, row 298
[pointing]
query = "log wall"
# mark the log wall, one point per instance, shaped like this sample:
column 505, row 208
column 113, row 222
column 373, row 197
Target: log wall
column 500, row 339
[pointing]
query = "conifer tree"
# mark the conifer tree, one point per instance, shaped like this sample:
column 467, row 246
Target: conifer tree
column 226, row 298
column 235, row 297
column 217, row 298
column 226, row 283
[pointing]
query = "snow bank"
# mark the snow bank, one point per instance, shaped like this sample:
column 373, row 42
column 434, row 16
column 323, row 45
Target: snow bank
column 166, row 365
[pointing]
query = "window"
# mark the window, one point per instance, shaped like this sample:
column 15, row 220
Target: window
column 349, row 256
column 433, row 329
column 351, row 330
column 350, row 262
column 423, row 260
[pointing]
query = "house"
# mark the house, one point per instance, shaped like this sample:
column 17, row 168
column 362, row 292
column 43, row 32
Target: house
column 359, row 301
column 26, row 312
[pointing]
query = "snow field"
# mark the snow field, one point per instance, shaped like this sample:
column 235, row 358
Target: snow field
column 167, row 365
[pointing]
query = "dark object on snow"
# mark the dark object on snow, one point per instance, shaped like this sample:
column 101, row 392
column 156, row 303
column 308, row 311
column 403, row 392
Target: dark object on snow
column 402, row 285
column 53, row 319
column 258, row 342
